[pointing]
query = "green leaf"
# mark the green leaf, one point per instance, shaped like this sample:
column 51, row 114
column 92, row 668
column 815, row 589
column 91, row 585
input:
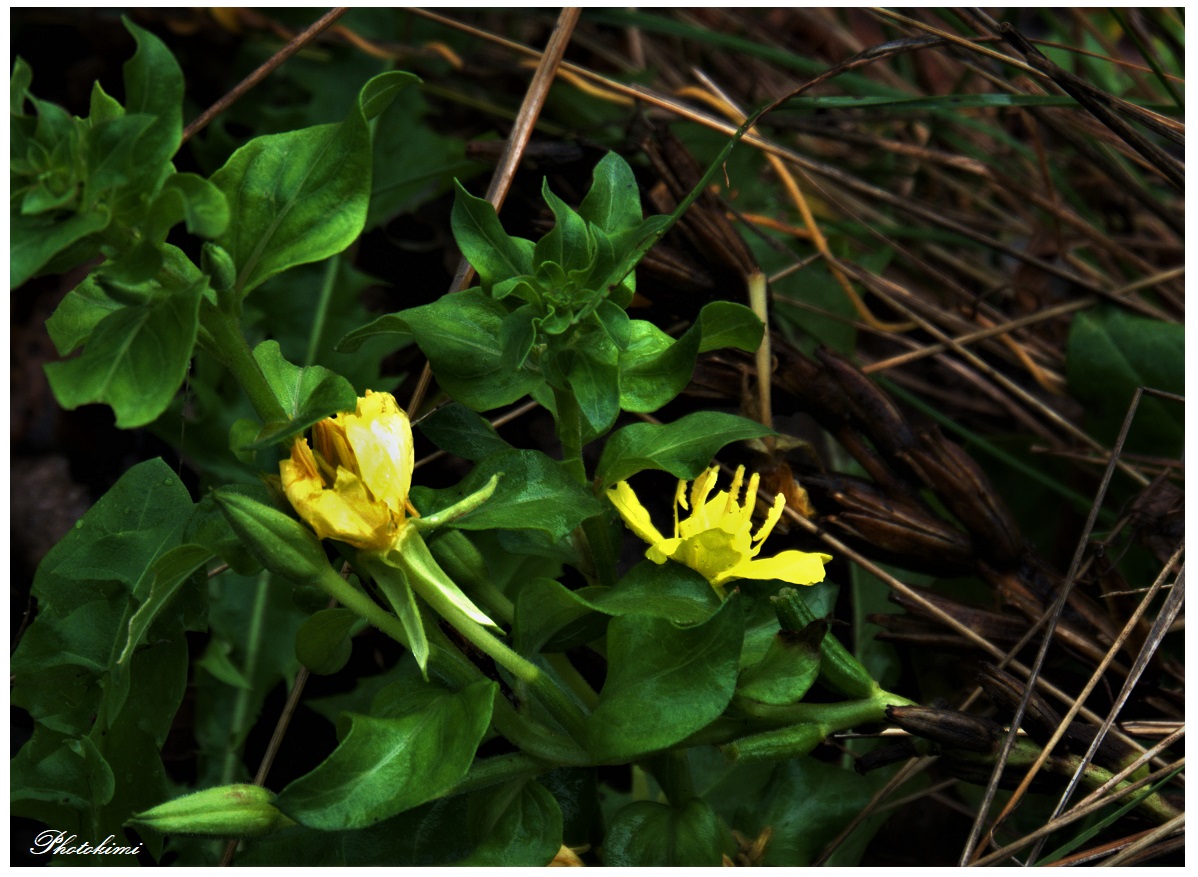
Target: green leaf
column 664, row 682
column 788, row 668
column 683, row 448
column 647, row 834
column 201, row 205
column 323, row 643
column 567, row 244
column 135, row 360
column 459, row 333
column 613, row 203
column 550, row 617
column 386, row 766
column 484, row 243
column 307, row 394
column 669, row 590
column 457, row 430
column 534, row 493
column 154, row 86
column 35, row 240
column 728, row 324
column 509, row 824
column 807, row 802
column 169, row 573
column 301, row 196
column 1111, row 352
column 595, row 380
column 518, row 824
column 79, row 313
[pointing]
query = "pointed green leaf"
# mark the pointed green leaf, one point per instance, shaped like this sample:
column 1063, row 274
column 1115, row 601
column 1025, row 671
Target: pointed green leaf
column 301, row 196
column 683, row 448
column 484, row 243
column 459, row 333
column 648, row 834
column 135, row 360
column 307, row 394
column 664, row 682
column 386, row 766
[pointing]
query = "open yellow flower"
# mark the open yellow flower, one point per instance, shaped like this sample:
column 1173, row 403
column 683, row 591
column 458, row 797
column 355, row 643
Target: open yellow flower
column 354, row 486
column 716, row 540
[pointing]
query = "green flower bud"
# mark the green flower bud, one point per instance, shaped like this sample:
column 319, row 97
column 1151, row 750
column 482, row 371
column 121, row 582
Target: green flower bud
column 239, row 810
column 280, row 543
column 781, row 743
column 218, row 265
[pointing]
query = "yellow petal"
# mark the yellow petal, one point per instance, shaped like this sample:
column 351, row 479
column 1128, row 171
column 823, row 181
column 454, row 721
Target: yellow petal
column 634, row 514
column 702, row 486
column 381, row 437
column 772, row 518
column 793, row 567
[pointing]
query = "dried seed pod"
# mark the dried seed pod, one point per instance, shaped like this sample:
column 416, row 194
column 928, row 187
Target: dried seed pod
column 900, row 528
column 873, row 409
column 948, row 728
column 994, row 626
column 1039, row 719
column 968, row 494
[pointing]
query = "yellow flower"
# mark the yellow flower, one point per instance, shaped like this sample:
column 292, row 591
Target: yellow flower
column 354, row 486
column 716, row 540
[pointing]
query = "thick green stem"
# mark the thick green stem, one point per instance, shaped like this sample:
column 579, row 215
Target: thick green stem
column 673, row 773
column 230, row 347
column 832, row 716
column 569, row 431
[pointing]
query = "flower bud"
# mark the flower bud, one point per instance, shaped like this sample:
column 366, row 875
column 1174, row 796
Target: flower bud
column 280, row 543
column 239, row 810
column 778, row 744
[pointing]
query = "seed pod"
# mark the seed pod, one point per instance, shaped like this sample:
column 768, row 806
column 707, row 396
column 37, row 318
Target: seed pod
column 994, row 626
column 1039, row 719
column 900, row 529
column 968, row 494
column 948, row 728
column 871, row 407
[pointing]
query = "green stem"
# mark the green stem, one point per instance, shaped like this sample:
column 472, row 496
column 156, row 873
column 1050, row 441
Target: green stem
column 551, row 696
column 458, row 671
column 572, row 679
column 569, row 430
column 673, row 773
column 322, row 308
column 241, row 705
column 229, row 345
column 832, row 716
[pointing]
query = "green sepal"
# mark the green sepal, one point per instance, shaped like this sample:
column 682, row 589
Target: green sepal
column 392, row 580
column 424, row 574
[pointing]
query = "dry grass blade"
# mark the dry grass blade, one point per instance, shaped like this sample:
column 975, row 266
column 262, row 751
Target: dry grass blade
column 1131, row 852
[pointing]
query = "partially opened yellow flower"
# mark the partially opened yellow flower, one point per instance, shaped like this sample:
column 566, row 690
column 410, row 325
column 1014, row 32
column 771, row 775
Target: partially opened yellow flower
column 716, row 540
column 354, row 486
